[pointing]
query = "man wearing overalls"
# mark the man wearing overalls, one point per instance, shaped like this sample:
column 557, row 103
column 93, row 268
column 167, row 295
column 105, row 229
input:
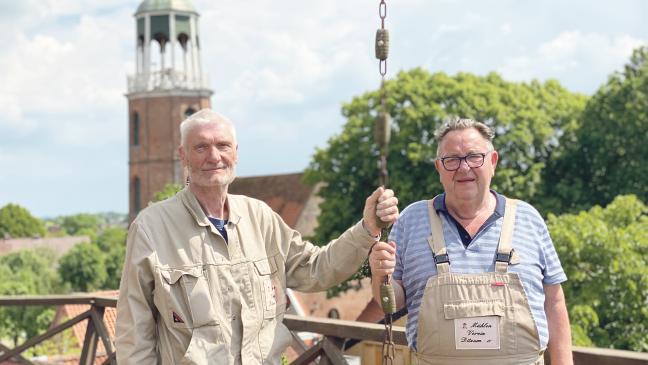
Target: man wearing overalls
column 477, row 271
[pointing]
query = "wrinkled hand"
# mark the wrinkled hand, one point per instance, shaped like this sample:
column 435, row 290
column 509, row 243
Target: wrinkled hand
column 380, row 211
column 382, row 259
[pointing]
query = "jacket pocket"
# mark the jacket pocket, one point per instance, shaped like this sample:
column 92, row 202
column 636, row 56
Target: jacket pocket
column 273, row 294
column 185, row 298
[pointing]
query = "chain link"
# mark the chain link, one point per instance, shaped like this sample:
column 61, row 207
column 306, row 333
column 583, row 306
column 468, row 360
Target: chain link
column 382, row 51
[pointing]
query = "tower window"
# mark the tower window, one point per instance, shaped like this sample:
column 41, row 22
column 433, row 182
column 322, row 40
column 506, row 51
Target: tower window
column 189, row 112
column 135, row 126
column 137, row 195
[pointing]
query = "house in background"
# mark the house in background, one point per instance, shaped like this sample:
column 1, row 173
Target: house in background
column 59, row 245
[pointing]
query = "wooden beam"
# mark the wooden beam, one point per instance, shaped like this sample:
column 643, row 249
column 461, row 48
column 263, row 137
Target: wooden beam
column 26, row 300
column 97, row 318
column 18, row 358
column 89, row 350
column 333, row 352
column 343, row 329
column 40, row 338
column 309, row 355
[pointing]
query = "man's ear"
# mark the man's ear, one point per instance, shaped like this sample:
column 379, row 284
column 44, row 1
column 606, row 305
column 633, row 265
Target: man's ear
column 437, row 165
column 494, row 158
column 181, row 153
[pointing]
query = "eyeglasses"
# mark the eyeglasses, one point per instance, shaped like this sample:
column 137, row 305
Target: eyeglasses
column 473, row 160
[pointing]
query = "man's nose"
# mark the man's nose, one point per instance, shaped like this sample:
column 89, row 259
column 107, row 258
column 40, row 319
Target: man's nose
column 214, row 154
column 463, row 162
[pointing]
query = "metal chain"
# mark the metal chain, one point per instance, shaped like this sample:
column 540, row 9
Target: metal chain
column 382, row 133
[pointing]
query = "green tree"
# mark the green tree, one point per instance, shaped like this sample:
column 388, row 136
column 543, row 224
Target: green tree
column 528, row 119
column 168, row 191
column 81, row 224
column 83, row 267
column 27, row 272
column 604, row 252
column 17, row 221
column 606, row 157
column 112, row 241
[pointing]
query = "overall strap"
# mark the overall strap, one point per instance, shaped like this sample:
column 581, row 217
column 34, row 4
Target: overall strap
column 505, row 246
column 437, row 242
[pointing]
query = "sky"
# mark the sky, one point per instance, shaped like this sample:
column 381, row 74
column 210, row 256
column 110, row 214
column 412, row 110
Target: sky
column 279, row 69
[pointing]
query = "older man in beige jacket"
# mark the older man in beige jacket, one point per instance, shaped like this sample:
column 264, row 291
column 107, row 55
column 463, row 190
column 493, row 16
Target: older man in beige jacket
column 206, row 271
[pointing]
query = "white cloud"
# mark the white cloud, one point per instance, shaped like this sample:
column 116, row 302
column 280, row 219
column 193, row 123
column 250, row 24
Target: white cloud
column 566, row 56
column 506, row 28
column 68, row 76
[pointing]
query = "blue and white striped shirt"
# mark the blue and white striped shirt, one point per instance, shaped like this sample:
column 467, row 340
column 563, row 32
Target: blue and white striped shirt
column 539, row 263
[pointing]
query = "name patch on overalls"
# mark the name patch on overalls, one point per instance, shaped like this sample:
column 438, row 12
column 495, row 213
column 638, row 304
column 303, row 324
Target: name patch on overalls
column 477, row 333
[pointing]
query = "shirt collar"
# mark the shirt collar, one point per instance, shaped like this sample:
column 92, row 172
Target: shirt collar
column 440, row 204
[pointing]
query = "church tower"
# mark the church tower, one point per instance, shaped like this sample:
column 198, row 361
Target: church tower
column 169, row 85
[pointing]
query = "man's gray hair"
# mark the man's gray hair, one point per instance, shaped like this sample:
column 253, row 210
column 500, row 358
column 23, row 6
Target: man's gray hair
column 463, row 123
column 204, row 117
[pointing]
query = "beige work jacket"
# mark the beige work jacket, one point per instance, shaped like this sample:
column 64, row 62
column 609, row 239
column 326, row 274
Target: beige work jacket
column 188, row 297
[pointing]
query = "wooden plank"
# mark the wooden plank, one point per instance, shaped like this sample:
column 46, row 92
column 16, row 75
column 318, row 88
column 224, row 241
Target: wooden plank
column 26, row 300
column 89, row 350
column 40, row 338
column 343, row 329
column 18, row 358
column 97, row 318
column 332, row 348
column 105, row 302
column 297, row 343
column 309, row 355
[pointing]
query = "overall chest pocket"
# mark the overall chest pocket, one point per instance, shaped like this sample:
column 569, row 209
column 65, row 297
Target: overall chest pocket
column 272, row 290
column 184, row 298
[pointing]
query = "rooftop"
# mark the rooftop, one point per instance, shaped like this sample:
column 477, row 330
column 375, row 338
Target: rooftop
column 165, row 5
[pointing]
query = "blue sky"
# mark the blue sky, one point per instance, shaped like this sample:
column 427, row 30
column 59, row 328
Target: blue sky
column 280, row 70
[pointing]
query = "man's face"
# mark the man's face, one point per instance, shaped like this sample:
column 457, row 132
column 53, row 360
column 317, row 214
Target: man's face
column 466, row 183
column 210, row 154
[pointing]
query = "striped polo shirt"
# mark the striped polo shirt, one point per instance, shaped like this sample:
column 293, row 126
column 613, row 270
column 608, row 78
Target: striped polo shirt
column 539, row 263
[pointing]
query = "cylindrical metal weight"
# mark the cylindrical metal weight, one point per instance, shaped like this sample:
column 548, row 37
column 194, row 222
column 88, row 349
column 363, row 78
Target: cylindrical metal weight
column 382, row 129
column 382, row 44
column 387, row 298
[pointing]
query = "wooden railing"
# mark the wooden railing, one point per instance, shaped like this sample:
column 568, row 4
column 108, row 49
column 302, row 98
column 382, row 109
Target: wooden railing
column 95, row 326
column 337, row 335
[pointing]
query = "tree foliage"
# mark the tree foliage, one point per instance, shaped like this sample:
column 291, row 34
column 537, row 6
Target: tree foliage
column 168, row 191
column 27, row 272
column 528, row 119
column 17, row 221
column 81, row 224
column 606, row 157
column 604, row 252
column 112, row 242
column 83, row 267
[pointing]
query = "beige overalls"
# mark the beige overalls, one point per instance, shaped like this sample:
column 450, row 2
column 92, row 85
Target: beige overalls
column 476, row 318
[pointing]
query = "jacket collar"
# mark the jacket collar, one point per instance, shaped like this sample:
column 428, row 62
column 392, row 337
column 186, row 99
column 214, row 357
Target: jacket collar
column 193, row 207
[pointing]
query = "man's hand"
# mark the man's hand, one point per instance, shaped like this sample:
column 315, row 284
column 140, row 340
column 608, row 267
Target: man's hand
column 380, row 211
column 382, row 259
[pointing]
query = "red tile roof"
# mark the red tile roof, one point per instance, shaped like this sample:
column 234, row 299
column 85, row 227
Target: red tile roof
column 60, row 245
column 286, row 194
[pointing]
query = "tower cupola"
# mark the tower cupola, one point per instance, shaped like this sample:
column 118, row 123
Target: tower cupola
column 167, row 48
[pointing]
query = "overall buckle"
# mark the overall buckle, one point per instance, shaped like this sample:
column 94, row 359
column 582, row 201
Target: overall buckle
column 502, row 257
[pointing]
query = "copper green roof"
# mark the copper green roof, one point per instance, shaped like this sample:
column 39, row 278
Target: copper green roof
column 165, row 5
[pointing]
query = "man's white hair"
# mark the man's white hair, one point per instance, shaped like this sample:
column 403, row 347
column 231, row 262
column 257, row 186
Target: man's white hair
column 204, row 117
